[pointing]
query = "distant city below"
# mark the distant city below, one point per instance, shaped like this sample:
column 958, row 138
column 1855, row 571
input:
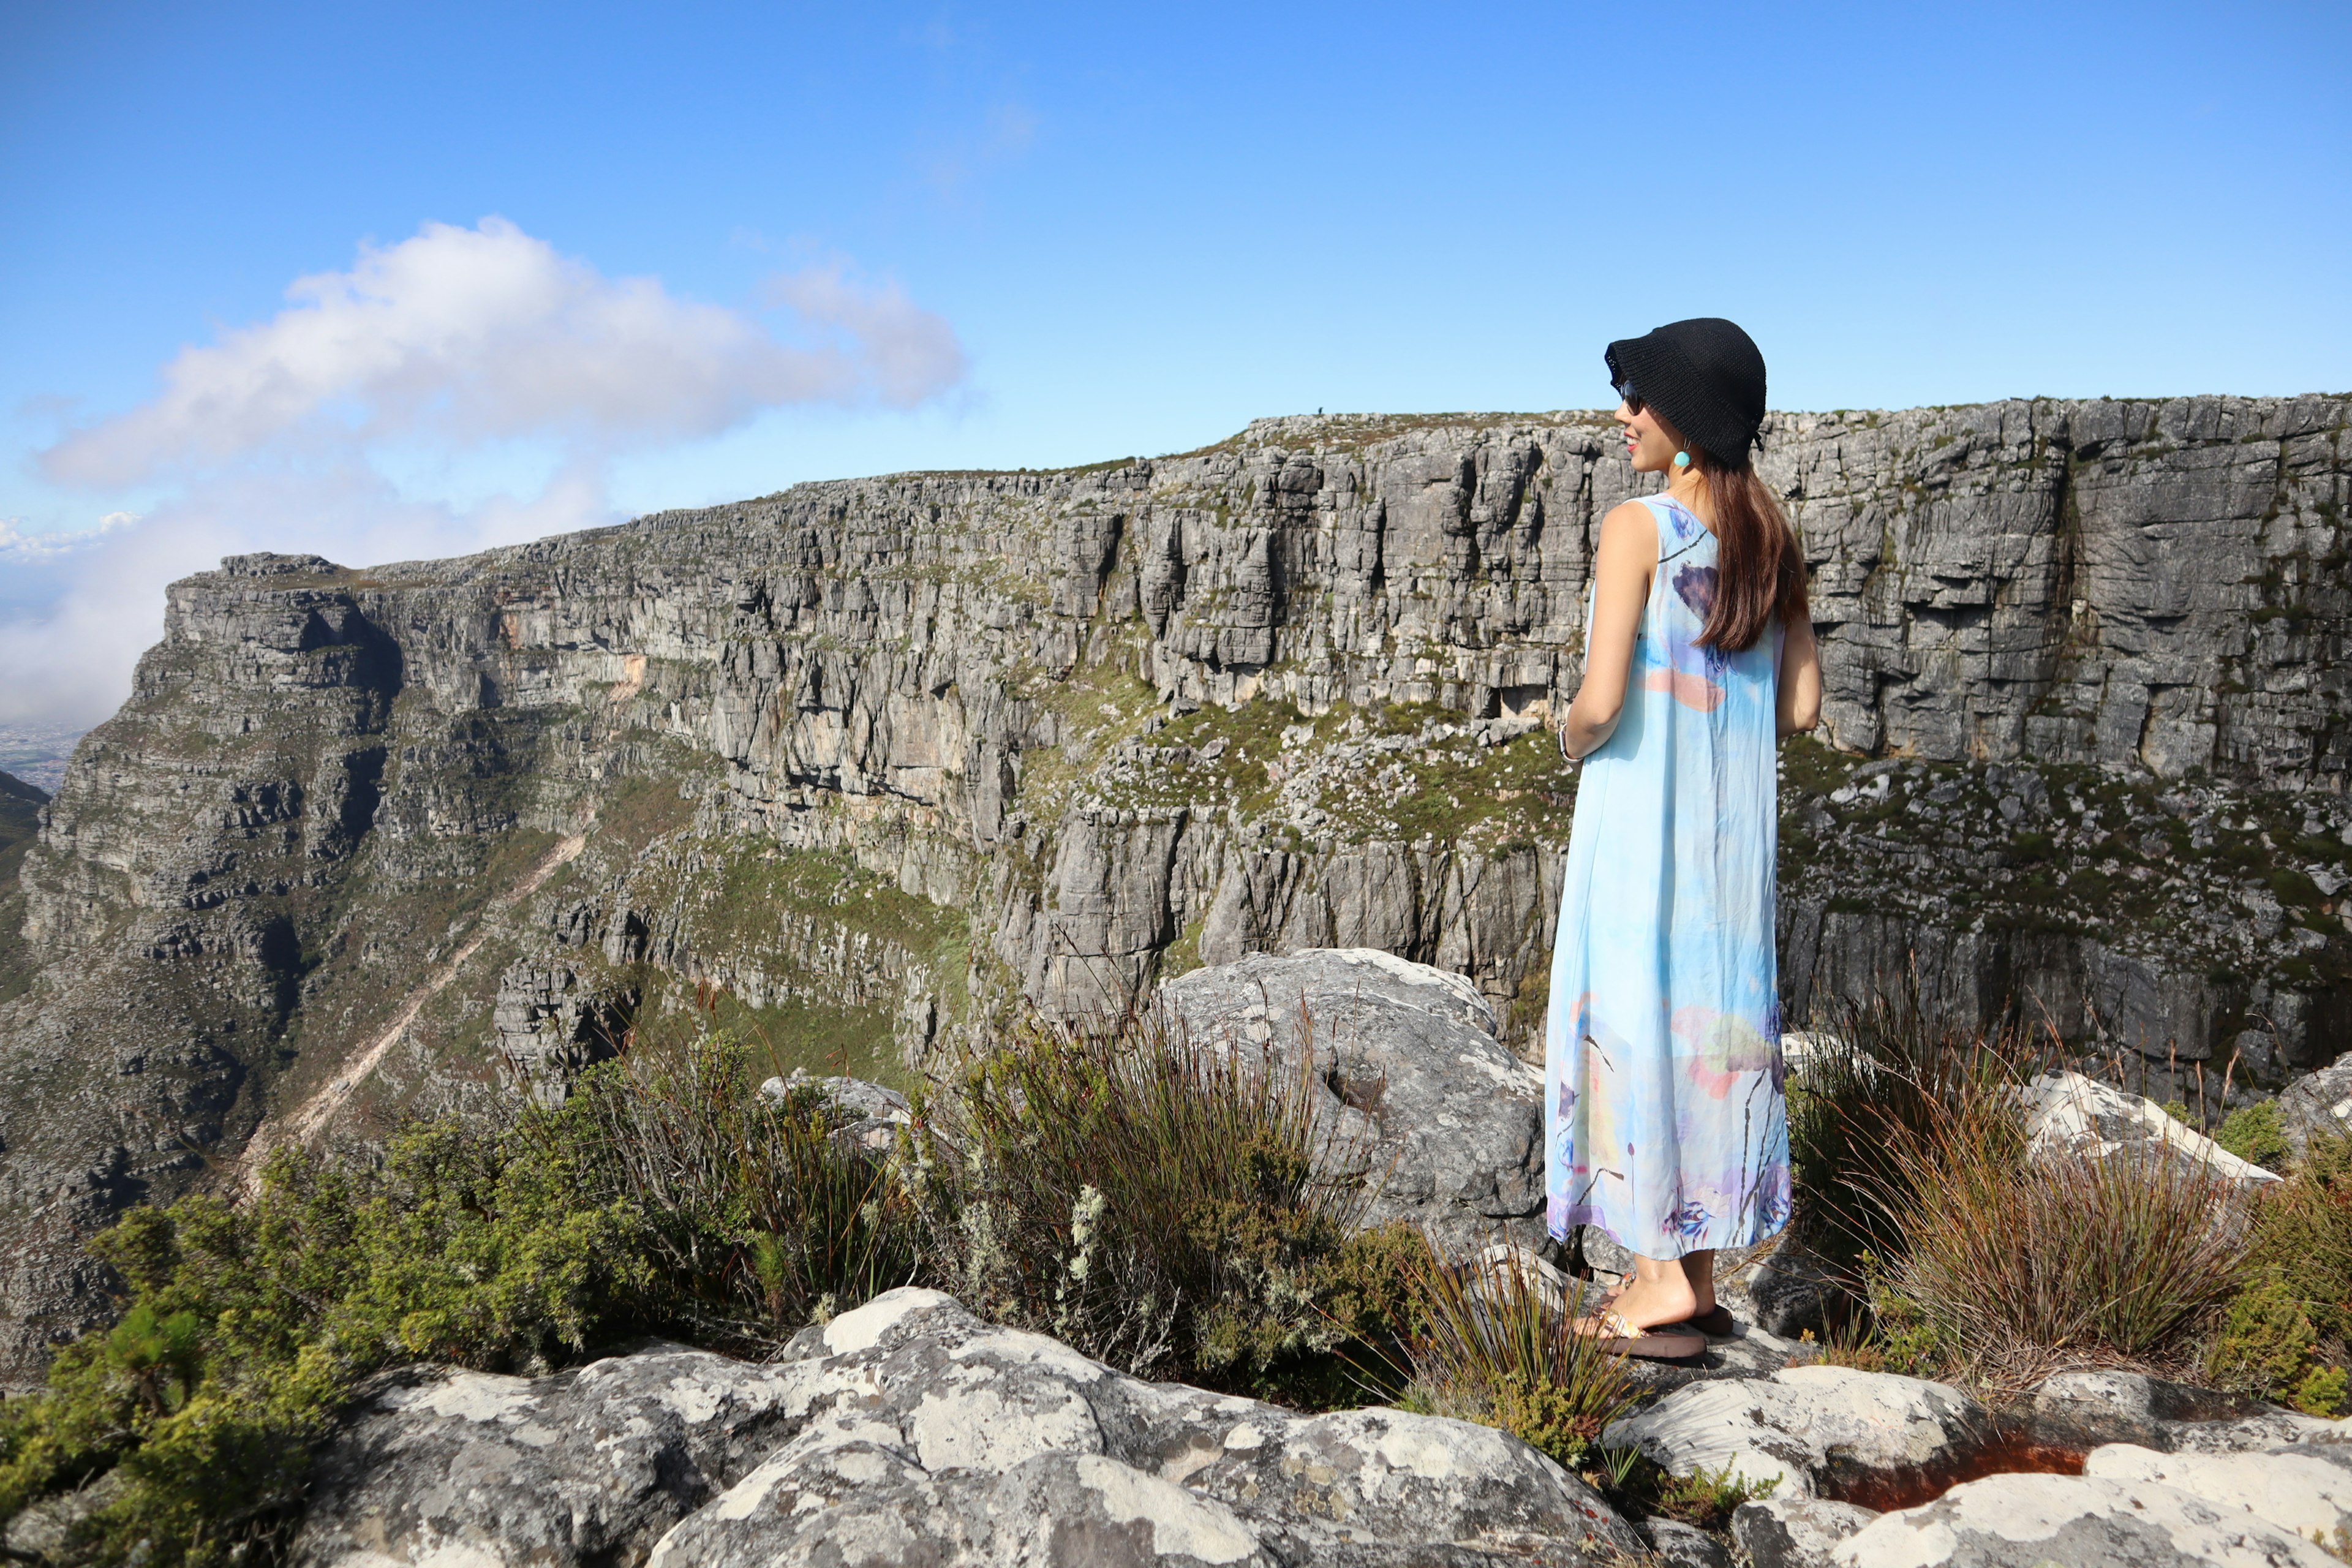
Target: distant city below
column 37, row 752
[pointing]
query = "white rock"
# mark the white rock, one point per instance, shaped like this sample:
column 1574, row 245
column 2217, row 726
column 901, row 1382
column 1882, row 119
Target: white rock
column 1795, row 1533
column 2078, row 1522
column 1807, row 1426
column 2300, row 1489
column 2067, row 1112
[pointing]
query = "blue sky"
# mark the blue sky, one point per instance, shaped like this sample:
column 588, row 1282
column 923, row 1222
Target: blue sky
column 923, row 235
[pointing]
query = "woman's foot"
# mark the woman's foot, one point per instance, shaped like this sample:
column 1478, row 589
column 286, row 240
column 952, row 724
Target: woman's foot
column 1657, row 1300
column 1705, row 1311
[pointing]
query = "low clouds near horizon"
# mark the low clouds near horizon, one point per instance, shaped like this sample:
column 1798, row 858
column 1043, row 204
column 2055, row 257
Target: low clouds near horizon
column 452, row 343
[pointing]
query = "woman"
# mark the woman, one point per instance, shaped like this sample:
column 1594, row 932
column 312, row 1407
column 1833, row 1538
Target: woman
column 1665, row 1124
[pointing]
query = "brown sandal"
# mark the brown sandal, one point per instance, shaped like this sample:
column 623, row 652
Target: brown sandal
column 1618, row 1337
column 1716, row 1322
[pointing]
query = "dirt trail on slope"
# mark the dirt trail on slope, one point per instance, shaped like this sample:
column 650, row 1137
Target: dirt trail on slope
column 304, row 1122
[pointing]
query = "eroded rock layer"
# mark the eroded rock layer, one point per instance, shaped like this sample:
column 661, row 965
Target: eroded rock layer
column 859, row 764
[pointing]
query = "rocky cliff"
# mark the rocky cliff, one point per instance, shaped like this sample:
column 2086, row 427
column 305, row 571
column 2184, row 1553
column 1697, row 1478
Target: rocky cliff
column 862, row 764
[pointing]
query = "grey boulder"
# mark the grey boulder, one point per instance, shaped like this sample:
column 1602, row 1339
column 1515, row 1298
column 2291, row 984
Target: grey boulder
column 2321, row 1102
column 1407, row 1071
column 1678, row 1545
column 1792, row 1290
column 2082, row 1521
column 2083, row 1410
column 1815, row 1431
column 439, row 1465
column 932, row 1438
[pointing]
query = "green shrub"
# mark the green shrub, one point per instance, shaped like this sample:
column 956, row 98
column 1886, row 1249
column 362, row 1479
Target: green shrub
column 248, row 1325
column 2323, row 1392
column 1706, row 1499
column 665, row 1195
column 2257, row 1134
column 2285, row 1335
column 2302, row 1230
column 2267, row 1343
column 1894, row 1335
column 1163, row 1206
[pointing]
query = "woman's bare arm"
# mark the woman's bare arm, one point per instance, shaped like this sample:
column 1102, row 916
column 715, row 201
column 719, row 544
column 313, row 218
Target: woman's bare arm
column 1800, row 680
column 1628, row 555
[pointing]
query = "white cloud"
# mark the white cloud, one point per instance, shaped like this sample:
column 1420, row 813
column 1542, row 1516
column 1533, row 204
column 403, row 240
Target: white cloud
column 469, row 335
column 18, row 548
column 457, row 343
column 69, row 661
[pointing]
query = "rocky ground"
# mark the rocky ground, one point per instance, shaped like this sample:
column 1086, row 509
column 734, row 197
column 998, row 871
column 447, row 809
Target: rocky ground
column 909, row 1431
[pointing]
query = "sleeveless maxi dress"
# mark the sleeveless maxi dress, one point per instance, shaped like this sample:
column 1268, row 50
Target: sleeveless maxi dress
column 1664, row 1118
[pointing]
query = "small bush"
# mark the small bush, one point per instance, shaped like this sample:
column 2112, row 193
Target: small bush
column 1706, row 1499
column 1165, row 1205
column 2323, row 1392
column 1892, row 1336
column 2303, row 1231
column 1497, row 1348
column 2267, row 1343
column 757, row 1213
column 2014, row 1266
column 2257, row 1134
column 663, row 1195
column 248, row 1325
column 2285, row 1335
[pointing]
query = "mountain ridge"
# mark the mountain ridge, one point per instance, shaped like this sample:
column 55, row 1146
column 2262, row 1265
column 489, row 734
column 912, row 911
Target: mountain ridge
column 877, row 763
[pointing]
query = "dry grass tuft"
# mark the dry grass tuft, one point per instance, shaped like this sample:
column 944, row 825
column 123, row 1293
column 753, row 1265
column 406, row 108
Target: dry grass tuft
column 760, row 1216
column 2013, row 1266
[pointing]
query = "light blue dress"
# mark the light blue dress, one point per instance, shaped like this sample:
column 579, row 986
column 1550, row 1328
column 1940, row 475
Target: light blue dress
column 1664, row 1118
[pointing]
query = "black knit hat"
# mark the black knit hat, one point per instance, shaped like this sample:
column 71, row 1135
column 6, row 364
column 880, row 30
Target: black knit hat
column 1704, row 376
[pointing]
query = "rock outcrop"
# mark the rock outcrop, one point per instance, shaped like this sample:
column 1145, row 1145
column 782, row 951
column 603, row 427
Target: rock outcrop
column 1403, row 1063
column 1815, row 1431
column 908, row 1431
column 872, row 761
column 2025, row 1520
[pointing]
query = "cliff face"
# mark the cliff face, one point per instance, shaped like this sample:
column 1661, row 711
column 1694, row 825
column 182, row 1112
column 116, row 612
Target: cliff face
column 860, row 764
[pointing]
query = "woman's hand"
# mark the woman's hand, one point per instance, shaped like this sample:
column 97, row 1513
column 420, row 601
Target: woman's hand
column 1627, row 558
column 1800, row 680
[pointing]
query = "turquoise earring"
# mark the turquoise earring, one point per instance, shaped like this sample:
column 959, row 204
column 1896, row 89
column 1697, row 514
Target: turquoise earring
column 1681, row 459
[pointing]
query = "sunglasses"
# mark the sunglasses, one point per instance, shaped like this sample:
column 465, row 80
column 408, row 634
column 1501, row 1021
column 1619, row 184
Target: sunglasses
column 1633, row 398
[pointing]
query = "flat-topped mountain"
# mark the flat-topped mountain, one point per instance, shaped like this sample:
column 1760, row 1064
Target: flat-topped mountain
column 866, row 765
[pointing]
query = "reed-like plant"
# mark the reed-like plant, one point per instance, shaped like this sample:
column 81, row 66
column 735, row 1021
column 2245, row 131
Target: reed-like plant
column 1497, row 1344
column 1881, row 1076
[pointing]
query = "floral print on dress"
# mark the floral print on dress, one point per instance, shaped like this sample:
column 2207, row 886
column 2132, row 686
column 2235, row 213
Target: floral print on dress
column 1664, row 1122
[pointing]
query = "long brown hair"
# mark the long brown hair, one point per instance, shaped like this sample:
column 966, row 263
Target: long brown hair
column 1759, row 566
